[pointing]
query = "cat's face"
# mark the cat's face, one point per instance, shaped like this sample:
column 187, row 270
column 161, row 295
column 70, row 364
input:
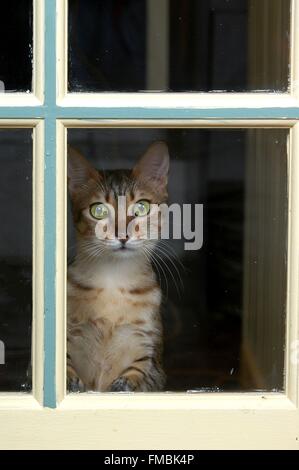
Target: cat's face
column 115, row 212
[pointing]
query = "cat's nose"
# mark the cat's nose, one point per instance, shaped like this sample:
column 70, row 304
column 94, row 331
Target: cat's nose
column 124, row 240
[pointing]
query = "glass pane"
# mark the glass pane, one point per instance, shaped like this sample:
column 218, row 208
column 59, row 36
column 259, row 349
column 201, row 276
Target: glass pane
column 224, row 303
column 16, row 39
column 15, row 259
column 178, row 45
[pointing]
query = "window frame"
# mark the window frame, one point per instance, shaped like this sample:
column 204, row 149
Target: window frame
column 46, row 418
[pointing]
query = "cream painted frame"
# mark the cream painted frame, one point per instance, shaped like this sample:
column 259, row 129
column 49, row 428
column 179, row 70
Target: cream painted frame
column 159, row 421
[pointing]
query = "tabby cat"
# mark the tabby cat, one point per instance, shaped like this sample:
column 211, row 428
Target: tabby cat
column 114, row 300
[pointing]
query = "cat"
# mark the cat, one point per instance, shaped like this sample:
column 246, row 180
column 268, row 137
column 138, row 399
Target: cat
column 115, row 337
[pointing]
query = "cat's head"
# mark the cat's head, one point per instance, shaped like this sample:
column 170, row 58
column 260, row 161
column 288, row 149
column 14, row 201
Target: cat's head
column 112, row 209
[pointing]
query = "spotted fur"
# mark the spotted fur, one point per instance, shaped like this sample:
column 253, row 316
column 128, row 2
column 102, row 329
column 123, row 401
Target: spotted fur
column 114, row 301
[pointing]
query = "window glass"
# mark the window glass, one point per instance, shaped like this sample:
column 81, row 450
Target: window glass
column 16, row 42
column 178, row 45
column 15, row 259
column 224, row 302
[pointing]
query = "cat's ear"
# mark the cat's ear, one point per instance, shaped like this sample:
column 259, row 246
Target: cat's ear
column 154, row 165
column 79, row 171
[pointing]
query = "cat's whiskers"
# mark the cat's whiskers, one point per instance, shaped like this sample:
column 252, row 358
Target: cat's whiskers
column 149, row 259
column 172, row 253
column 90, row 251
column 158, row 265
column 164, row 253
column 168, row 269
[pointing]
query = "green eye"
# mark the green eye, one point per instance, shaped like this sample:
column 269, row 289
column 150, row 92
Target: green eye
column 141, row 208
column 99, row 211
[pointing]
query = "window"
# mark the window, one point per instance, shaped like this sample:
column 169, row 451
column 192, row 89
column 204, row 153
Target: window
column 228, row 110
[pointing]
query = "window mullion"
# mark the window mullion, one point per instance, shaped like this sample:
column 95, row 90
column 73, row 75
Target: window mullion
column 50, row 178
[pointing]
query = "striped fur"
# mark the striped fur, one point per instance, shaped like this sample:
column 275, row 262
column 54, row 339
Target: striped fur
column 114, row 327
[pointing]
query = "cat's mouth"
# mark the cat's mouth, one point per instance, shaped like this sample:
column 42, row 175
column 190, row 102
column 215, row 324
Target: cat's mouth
column 124, row 251
column 126, row 247
column 121, row 246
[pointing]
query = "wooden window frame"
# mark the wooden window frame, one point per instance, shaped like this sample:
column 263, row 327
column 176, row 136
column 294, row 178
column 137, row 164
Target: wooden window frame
column 48, row 418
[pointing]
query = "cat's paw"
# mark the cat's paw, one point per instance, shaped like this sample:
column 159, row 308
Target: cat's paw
column 121, row 384
column 75, row 385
